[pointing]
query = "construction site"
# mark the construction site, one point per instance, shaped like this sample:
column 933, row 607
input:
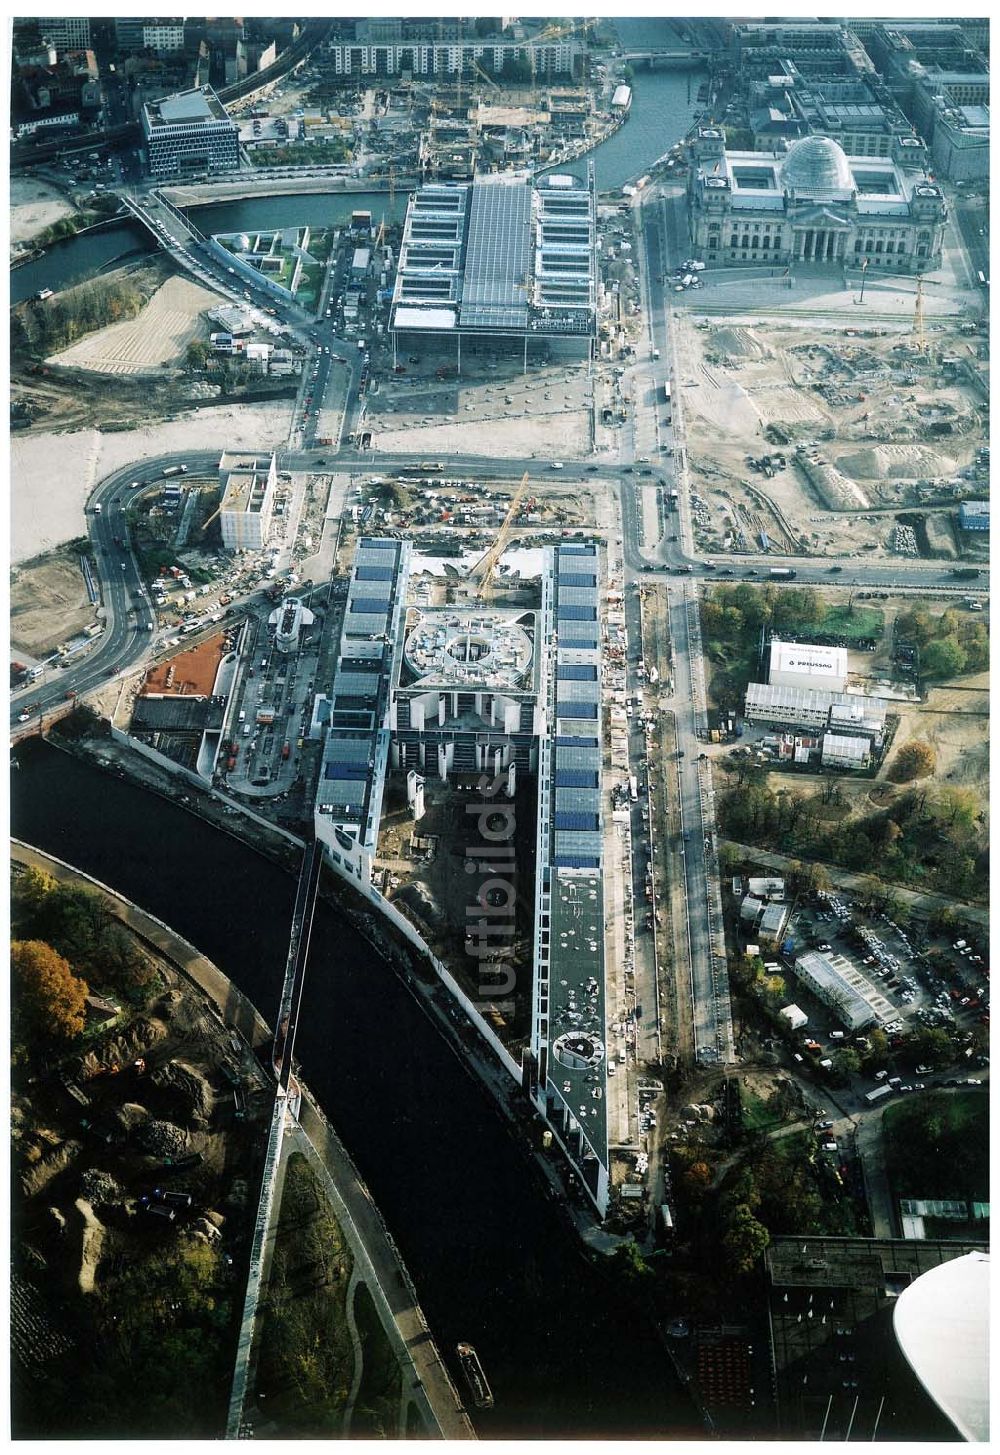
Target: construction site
column 819, row 440
column 455, row 519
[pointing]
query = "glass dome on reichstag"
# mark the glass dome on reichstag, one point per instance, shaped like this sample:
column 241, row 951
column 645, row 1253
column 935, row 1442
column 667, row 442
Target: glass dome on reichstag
column 816, row 164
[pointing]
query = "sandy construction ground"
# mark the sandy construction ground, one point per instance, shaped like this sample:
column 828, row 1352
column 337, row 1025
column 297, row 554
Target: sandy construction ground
column 547, row 436
column 33, row 206
column 955, row 721
column 52, row 475
column 48, row 604
column 154, row 341
column 545, row 412
column 862, row 403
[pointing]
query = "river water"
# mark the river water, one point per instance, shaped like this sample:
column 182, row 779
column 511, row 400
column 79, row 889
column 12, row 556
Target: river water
column 663, row 107
column 492, row 1259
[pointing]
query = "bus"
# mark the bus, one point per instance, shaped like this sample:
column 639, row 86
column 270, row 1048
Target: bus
column 666, row 391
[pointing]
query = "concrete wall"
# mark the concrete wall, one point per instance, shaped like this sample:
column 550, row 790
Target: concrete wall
column 229, row 260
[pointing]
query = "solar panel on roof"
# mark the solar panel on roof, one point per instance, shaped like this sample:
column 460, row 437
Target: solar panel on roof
column 575, row 861
column 346, row 770
column 577, row 709
column 582, row 821
column 498, row 256
column 564, row 742
column 374, row 573
column 566, row 612
column 576, row 778
column 570, row 673
column 576, row 578
column 372, row 605
column 378, row 543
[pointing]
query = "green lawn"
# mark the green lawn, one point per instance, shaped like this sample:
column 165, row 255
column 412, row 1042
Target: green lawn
column 863, row 621
column 937, row 1145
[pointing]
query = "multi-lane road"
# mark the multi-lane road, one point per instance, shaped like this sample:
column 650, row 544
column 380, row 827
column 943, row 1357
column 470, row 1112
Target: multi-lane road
column 127, row 637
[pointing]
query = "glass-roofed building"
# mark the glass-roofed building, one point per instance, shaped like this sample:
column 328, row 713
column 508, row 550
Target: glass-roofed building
column 446, row 699
column 501, row 261
column 814, row 204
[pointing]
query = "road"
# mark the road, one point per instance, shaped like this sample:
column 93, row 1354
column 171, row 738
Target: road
column 127, row 638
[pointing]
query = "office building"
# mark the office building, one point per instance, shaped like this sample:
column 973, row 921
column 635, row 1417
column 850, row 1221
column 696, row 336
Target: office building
column 190, row 133
column 248, row 485
column 445, row 61
column 445, row 698
column 567, row 1073
column 69, row 33
column 163, row 37
column 499, row 261
column 813, row 204
column 857, row 111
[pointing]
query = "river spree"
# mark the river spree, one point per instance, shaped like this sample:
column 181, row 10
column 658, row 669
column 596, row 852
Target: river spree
column 492, row 1258
column 663, row 109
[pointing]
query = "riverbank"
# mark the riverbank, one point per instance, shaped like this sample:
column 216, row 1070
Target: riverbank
column 487, row 1250
column 204, row 194
column 352, row 1203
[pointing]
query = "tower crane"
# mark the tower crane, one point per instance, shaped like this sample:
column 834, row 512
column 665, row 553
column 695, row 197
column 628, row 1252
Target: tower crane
column 484, row 568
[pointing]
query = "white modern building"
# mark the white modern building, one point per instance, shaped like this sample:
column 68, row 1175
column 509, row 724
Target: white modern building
column 190, row 133
column 248, row 485
column 942, row 1324
column 496, row 260
column 288, row 620
column 472, row 694
column 799, row 664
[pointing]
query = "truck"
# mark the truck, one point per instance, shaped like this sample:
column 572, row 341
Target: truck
column 965, row 573
column 880, row 1091
column 174, row 470
column 285, row 752
column 633, row 788
column 97, row 508
column 781, row 573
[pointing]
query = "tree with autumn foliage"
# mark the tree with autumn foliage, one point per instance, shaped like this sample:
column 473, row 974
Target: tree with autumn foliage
column 916, row 759
column 48, row 998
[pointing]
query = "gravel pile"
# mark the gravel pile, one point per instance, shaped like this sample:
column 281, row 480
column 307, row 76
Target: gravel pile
column 162, row 1139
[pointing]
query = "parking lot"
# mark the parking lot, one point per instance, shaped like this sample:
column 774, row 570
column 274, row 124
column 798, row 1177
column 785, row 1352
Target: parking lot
column 937, row 983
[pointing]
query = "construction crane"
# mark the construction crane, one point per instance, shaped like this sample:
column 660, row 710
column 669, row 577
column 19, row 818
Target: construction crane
column 206, row 523
column 918, row 334
column 484, row 568
column 485, row 75
column 381, row 227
